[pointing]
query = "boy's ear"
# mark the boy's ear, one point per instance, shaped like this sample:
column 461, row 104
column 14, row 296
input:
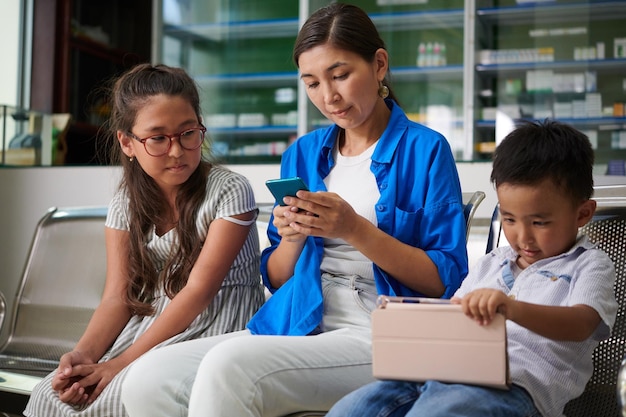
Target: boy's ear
column 586, row 211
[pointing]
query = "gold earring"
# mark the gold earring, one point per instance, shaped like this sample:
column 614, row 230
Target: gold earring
column 383, row 91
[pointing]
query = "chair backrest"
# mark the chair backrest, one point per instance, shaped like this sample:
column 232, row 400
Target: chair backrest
column 60, row 288
column 495, row 230
column 471, row 201
column 608, row 231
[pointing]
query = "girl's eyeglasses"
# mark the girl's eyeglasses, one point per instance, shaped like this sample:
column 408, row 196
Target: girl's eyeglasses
column 159, row 145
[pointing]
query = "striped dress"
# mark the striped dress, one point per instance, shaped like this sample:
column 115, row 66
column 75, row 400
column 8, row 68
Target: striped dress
column 228, row 194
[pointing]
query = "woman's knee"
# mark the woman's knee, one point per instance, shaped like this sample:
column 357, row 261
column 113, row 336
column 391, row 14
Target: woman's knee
column 230, row 361
column 143, row 379
column 164, row 376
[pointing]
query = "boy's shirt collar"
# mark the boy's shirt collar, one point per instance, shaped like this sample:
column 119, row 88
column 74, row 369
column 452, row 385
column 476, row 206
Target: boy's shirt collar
column 582, row 243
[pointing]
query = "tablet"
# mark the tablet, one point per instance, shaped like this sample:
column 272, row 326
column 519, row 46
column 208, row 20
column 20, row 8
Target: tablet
column 419, row 339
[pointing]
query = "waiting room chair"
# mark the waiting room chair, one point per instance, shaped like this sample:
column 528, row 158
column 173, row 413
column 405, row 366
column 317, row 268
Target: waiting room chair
column 471, row 201
column 59, row 289
column 608, row 230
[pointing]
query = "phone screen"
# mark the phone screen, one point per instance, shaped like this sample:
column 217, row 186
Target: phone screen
column 285, row 187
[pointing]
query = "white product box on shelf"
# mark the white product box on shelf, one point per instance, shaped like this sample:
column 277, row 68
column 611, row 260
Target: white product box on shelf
column 251, row 120
column 593, row 104
column 563, row 110
column 279, row 119
column 618, row 139
column 513, row 56
column 221, row 120
column 539, row 80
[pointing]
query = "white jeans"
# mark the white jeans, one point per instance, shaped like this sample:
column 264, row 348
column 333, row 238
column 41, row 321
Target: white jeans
column 240, row 374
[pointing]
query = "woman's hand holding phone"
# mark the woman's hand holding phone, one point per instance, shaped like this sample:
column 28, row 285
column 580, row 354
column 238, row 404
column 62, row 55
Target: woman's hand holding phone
column 328, row 215
column 285, row 187
column 280, row 189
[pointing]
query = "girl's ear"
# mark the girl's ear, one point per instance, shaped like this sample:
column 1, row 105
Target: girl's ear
column 586, row 211
column 125, row 143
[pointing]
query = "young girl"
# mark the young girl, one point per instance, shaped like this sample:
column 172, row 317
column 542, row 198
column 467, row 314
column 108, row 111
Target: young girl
column 385, row 217
column 182, row 246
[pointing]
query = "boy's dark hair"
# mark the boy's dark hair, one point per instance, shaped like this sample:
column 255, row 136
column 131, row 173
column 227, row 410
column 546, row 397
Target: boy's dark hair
column 536, row 151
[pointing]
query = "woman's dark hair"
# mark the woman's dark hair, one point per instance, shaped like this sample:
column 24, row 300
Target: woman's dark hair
column 536, row 151
column 342, row 26
column 146, row 203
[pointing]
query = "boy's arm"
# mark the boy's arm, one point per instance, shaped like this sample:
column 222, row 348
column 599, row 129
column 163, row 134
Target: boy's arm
column 572, row 323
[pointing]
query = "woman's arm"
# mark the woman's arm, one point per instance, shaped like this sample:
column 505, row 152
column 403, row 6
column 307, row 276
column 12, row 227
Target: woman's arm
column 282, row 261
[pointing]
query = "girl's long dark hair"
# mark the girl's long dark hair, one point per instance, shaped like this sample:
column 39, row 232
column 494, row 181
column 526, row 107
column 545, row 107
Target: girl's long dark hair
column 147, row 204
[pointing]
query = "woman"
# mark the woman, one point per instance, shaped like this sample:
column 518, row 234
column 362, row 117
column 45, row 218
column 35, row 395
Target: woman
column 384, row 217
column 182, row 248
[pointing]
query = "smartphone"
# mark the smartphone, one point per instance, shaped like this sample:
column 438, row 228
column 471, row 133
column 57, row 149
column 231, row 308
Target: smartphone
column 285, row 187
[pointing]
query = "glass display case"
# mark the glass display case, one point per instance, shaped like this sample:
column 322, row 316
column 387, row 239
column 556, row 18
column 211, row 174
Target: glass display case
column 468, row 68
column 425, row 40
column 551, row 59
column 239, row 52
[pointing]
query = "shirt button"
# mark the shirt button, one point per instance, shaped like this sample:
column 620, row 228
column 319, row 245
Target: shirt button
column 380, row 207
column 512, row 296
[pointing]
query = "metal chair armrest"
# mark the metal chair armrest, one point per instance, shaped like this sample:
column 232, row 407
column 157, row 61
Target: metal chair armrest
column 3, row 308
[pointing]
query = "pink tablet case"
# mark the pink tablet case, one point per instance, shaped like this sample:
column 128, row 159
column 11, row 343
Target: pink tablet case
column 416, row 339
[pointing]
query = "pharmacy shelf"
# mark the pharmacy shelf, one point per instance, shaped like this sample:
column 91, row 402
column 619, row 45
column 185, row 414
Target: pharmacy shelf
column 449, row 72
column 231, row 81
column 433, row 19
column 252, row 132
column 265, row 80
column 602, row 123
column 552, row 13
column 220, row 32
column 557, row 31
column 597, row 64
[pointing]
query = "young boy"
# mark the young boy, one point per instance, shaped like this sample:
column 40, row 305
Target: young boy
column 553, row 286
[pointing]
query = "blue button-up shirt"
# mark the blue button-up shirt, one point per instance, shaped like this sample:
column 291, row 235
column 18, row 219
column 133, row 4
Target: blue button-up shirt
column 420, row 204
